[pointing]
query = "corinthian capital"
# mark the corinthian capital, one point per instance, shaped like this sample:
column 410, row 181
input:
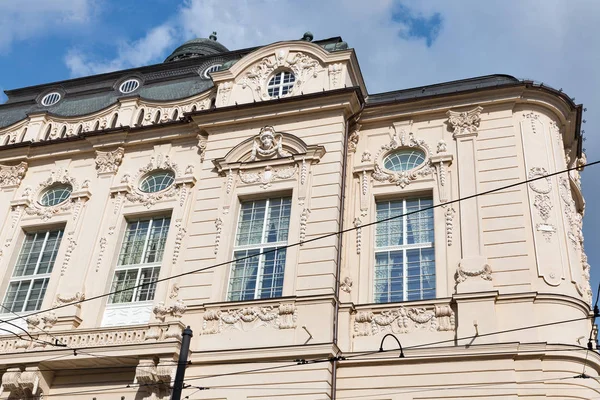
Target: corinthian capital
column 465, row 123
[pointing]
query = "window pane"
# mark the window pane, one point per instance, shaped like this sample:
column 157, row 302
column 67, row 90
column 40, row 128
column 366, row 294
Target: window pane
column 389, row 233
column 420, row 274
column 419, row 227
column 242, row 284
column 250, row 226
column 279, row 220
column 36, row 294
column 123, row 280
column 156, row 240
column 272, row 277
column 148, row 281
column 389, row 278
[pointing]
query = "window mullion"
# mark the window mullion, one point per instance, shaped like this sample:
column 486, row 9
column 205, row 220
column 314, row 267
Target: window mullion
column 146, row 240
column 39, row 260
column 404, row 261
column 136, row 287
column 259, row 273
column 28, row 294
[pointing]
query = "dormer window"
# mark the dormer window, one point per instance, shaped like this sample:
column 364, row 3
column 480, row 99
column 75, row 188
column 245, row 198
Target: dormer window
column 281, row 84
column 50, row 99
column 211, row 69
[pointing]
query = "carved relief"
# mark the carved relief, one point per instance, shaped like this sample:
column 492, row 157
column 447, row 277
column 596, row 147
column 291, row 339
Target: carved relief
column 202, row 142
column 404, row 320
column 542, row 201
column 346, row 285
column 76, row 299
column 268, row 176
column 402, row 178
column 532, row 117
column 249, row 318
column 181, row 231
column 267, row 144
column 68, row 253
column 108, row 162
column 303, row 221
column 303, row 66
column 354, row 138
column 219, row 227
column 573, row 218
column 449, row 217
column 21, row 384
column 462, row 274
column 466, row 122
column 176, row 310
column 229, row 181
column 366, row 156
column 12, row 175
column 357, row 224
column 224, row 92
column 303, row 172
column 335, row 72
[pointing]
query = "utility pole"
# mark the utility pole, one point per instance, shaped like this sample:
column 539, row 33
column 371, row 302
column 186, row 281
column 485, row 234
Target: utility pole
column 186, row 338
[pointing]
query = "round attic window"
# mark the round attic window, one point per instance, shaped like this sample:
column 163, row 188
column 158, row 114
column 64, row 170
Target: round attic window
column 51, row 99
column 129, row 86
column 211, row 69
column 157, row 181
column 55, row 195
column 404, row 160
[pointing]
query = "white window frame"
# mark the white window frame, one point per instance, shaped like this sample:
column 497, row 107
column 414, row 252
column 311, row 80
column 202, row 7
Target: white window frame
column 137, row 267
column 51, row 99
column 45, row 277
column 212, row 68
column 129, row 86
column 404, row 247
column 279, row 86
column 261, row 247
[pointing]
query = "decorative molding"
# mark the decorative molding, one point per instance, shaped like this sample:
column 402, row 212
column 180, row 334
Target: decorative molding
column 108, row 162
column 462, row 274
column 176, row 310
column 357, row 223
column 219, row 227
column 224, row 92
column 283, row 316
column 267, row 144
column 174, row 291
column 366, row 156
column 442, row 147
column 405, row 320
column 22, row 384
column 229, row 181
column 402, row 178
column 346, row 285
column 532, row 117
column 12, row 175
column 303, row 221
column 76, row 298
column 465, row 123
column 181, row 231
column 335, row 72
column 542, row 201
column 303, row 172
column 449, row 217
column 202, row 143
column 354, row 138
column 586, row 289
column 268, row 176
column 302, row 65
column 573, row 219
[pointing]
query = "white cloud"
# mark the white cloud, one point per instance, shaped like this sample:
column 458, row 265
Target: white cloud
column 552, row 41
column 22, row 20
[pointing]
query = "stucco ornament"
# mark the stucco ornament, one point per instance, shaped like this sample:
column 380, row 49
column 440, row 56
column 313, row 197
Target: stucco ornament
column 108, row 162
column 303, row 66
column 58, row 176
column 283, row 316
column 402, row 178
column 462, row 274
column 465, row 122
column 449, row 217
column 346, row 284
column 268, row 175
column 542, row 202
column 12, row 175
column 267, row 144
column 75, row 298
column 404, row 320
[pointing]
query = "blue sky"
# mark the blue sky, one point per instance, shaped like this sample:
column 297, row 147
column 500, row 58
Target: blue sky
column 399, row 44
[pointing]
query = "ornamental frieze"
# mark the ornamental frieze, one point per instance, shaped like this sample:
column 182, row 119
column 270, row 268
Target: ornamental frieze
column 405, row 320
column 283, row 316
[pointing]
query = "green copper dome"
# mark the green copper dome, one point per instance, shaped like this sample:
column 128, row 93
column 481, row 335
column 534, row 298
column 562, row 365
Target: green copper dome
column 197, row 48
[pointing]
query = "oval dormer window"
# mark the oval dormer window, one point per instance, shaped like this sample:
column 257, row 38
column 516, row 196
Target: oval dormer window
column 211, row 69
column 281, row 84
column 157, row 181
column 404, row 160
column 56, row 195
column 51, row 99
column 130, row 85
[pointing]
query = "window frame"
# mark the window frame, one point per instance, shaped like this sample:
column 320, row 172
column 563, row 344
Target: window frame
column 279, row 86
column 404, row 248
column 139, row 267
column 261, row 247
column 35, row 276
column 154, row 174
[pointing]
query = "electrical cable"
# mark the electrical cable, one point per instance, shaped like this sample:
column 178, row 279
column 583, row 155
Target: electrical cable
column 303, row 242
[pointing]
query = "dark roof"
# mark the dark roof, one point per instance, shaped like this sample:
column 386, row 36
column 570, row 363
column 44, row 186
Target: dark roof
column 438, row 89
column 161, row 82
column 197, row 48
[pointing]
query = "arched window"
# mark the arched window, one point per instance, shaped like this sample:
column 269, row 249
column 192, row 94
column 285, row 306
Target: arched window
column 63, row 132
column 79, row 129
column 157, row 117
column 281, row 84
column 113, row 122
column 404, row 160
column 6, row 140
column 157, row 181
column 23, row 135
column 140, row 119
column 96, row 126
column 193, row 109
column 175, row 115
column 48, row 131
column 56, row 194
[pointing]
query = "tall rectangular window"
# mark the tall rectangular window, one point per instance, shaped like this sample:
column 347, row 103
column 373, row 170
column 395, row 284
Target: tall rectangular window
column 32, row 272
column 404, row 251
column 139, row 260
column 262, row 227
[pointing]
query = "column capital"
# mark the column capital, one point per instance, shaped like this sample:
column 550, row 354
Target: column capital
column 465, row 123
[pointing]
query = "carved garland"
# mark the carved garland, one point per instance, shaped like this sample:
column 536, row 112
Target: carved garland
column 404, row 320
column 283, row 316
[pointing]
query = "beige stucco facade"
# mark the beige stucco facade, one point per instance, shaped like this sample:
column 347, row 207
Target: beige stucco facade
column 504, row 261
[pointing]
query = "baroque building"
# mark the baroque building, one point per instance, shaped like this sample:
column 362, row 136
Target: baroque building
column 293, row 220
